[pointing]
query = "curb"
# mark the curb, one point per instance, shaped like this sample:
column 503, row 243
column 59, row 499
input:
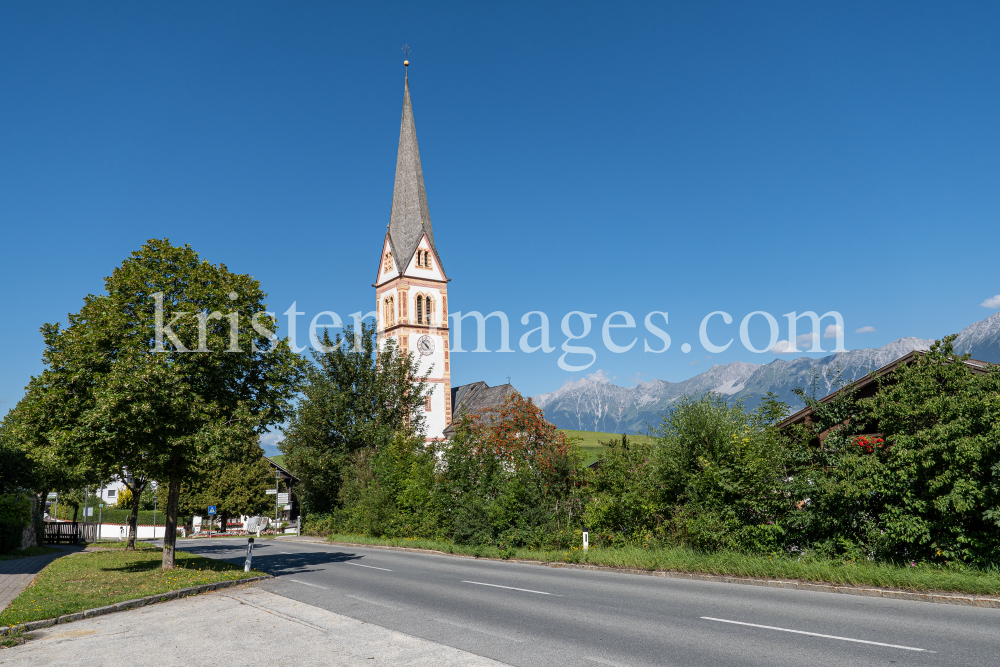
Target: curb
column 792, row 584
column 128, row 604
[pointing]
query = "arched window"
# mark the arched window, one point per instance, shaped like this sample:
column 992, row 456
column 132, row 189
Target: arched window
column 420, row 309
column 389, row 311
column 428, row 311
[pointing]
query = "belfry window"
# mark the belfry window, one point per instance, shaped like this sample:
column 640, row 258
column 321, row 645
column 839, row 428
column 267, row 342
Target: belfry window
column 420, row 309
column 389, row 311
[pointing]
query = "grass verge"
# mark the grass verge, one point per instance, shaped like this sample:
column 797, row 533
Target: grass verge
column 917, row 579
column 87, row 580
column 25, row 553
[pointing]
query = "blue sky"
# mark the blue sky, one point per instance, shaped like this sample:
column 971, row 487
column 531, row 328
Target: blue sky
column 578, row 156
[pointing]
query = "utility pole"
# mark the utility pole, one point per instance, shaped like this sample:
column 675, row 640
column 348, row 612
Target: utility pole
column 277, row 487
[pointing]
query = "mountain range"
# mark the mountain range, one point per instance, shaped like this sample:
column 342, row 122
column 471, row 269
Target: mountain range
column 595, row 404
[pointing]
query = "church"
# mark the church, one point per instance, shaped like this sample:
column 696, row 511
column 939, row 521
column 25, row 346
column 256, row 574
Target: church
column 411, row 291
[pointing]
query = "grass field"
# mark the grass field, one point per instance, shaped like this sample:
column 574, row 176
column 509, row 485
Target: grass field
column 87, row 580
column 590, row 441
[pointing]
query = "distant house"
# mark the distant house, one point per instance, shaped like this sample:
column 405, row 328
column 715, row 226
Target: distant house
column 867, row 387
column 289, row 512
column 109, row 492
column 471, row 398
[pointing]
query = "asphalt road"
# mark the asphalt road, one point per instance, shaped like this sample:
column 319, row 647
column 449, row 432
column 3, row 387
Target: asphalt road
column 528, row 615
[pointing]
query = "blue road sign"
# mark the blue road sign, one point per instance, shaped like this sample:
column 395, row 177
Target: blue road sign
column 211, row 509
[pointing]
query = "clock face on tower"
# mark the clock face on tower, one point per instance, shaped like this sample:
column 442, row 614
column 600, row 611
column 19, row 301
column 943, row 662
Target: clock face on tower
column 426, row 345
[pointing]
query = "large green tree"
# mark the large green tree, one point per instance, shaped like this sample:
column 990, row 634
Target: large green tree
column 939, row 467
column 357, row 396
column 235, row 483
column 33, row 435
column 165, row 371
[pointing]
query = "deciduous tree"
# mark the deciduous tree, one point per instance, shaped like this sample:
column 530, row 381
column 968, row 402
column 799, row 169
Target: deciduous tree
column 167, row 371
column 356, row 396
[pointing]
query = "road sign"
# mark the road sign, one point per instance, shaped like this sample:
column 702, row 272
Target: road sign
column 271, row 492
column 283, row 498
column 288, row 507
column 211, row 510
column 90, row 511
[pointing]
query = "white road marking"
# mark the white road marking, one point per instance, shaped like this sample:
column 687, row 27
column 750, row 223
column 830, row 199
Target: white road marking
column 511, row 588
column 371, row 567
column 304, row 583
column 814, row 634
column 485, row 632
column 287, row 553
column 377, row 604
column 604, row 662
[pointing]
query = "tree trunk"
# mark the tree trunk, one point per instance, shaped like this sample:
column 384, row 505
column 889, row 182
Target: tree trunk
column 170, row 534
column 133, row 518
column 223, row 521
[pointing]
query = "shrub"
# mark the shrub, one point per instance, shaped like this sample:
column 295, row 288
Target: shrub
column 15, row 516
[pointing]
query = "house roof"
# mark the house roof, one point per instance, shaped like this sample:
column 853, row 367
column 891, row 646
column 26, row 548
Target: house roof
column 410, row 219
column 282, row 470
column 470, row 398
column 869, row 382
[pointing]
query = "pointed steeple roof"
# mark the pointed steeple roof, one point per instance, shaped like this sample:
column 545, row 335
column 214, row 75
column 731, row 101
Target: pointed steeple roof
column 410, row 218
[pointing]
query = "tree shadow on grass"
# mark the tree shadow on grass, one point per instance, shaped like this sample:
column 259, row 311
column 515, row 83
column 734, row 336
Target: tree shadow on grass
column 183, row 561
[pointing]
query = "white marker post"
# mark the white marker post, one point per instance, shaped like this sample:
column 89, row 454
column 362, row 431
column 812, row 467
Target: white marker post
column 246, row 566
column 586, row 540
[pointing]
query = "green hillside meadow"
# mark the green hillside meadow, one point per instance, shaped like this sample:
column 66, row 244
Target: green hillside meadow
column 590, row 441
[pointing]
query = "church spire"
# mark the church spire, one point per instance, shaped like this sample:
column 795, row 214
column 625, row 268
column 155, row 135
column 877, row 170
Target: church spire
column 410, row 218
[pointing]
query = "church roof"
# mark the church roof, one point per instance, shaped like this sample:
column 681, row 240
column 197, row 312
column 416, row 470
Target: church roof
column 410, row 218
column 473, row 397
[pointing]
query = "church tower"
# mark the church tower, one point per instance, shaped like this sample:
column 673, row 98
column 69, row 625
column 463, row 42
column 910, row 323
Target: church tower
column 411, row 288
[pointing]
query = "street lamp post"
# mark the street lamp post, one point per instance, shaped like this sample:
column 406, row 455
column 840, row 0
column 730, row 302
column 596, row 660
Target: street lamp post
column 100, row 514
column 155, row 498
column 277, row 487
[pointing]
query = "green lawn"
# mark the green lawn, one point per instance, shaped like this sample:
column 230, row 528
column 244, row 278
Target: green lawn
column 87, row 580
column 590, row 441
column 919, row 578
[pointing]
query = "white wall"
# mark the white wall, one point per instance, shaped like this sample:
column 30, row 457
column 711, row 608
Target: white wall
column 113, row 531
